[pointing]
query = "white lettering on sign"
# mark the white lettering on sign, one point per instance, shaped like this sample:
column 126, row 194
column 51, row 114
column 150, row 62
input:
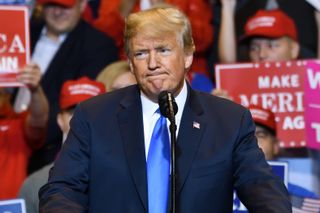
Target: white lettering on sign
column 11, row 45
column 283, row 81
column 313, row 79
column 293, row 123
column 8, row 63
column 277, row 102
column 316, row 126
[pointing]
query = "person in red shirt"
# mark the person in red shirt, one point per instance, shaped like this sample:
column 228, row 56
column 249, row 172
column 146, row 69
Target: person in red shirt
column 111, row 17
column 20, row 133
column 270, row 35
column 72, row 93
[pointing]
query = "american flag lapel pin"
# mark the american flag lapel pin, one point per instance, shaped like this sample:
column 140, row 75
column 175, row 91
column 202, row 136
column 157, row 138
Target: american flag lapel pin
column 196, row 125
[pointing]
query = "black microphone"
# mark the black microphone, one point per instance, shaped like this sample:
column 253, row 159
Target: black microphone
column 167, row 104
column 168, row 108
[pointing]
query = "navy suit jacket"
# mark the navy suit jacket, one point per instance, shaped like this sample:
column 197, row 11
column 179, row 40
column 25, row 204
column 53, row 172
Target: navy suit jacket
column 102, row 166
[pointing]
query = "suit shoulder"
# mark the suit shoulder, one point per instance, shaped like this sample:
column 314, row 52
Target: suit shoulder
column 220, row 104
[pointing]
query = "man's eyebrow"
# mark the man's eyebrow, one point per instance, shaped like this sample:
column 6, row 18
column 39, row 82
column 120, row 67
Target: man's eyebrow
column 139, row 49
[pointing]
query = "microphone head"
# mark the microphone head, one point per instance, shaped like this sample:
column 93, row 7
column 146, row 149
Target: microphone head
column 163, row 100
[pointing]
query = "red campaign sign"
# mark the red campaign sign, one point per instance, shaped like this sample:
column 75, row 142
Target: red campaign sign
column 14, row 43
column 278, row 86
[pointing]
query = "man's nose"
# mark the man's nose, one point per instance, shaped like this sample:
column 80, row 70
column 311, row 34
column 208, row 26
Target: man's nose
column 263, row 53
column 57, row 10
column 153, row 61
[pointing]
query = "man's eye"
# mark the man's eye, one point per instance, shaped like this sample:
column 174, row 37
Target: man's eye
column 262, row 134
column 254, row 48
column 140, row 55
column 164, row 51
column 274, row 44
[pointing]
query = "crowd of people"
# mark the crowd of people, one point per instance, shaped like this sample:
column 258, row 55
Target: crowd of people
column 81, row 49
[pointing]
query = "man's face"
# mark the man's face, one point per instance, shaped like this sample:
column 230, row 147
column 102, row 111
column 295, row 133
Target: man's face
column 159, row 64
column 61, row 19
column 266, row 49
column 267, row 142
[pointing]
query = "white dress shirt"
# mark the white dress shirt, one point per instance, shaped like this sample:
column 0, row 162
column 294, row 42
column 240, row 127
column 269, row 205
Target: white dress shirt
column 150, row 117
column 45, row 49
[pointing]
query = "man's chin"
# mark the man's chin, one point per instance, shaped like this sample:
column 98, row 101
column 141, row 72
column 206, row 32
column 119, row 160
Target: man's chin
column 153, row 93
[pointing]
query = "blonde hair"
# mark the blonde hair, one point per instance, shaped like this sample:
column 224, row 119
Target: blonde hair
column 159, row 21
column 111, row 72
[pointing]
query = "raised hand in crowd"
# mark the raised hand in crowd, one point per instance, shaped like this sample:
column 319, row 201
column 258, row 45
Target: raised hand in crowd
column 30, row 75
column 227, row 47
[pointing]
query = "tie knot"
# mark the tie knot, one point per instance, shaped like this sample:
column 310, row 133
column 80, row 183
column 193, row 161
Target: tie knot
column 157, row 111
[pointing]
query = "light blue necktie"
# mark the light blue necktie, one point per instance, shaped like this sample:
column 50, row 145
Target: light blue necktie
column 158, row 167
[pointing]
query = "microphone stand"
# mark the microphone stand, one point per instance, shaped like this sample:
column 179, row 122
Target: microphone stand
column 173, row 128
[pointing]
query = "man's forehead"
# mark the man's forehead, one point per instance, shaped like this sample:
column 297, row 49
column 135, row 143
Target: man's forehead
column 265, row 39
column 260, row 128
column 148, row 41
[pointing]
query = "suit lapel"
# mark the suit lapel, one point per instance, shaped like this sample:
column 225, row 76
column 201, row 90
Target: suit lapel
column 191, row 129
column 131, row 128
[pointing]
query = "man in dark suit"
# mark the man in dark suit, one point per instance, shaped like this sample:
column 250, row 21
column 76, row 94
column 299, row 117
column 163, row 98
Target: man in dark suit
column 104, row 164
column 65, row 47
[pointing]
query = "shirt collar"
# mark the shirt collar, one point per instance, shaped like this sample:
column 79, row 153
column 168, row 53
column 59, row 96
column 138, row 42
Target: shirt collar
column 149, row 107
column 61, row 37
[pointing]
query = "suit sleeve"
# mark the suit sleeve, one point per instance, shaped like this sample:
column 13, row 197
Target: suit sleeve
column 257, row 187
column 66, row 190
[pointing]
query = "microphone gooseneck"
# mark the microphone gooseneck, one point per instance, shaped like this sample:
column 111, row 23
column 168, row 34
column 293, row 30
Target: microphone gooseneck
column 168, row 108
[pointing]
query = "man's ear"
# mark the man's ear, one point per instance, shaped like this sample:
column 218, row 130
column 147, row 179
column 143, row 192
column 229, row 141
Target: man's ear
column 130, row 65
column 59, row 120
column 295, row 49
column 188, row 58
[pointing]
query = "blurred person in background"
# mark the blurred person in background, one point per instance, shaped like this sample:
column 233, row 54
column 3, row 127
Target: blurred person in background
column 21, row 133
column 65, row 47
column 266, row 133
column 72, row 93
column 117, row 75
column 271, row 35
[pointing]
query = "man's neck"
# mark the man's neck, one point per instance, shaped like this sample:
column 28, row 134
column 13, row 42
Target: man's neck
column 52, row 35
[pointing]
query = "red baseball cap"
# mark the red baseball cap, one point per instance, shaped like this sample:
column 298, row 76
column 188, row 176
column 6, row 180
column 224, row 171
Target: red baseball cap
column 65, row 3
column 270, row 24
column 263, row 117
column 76, row 91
